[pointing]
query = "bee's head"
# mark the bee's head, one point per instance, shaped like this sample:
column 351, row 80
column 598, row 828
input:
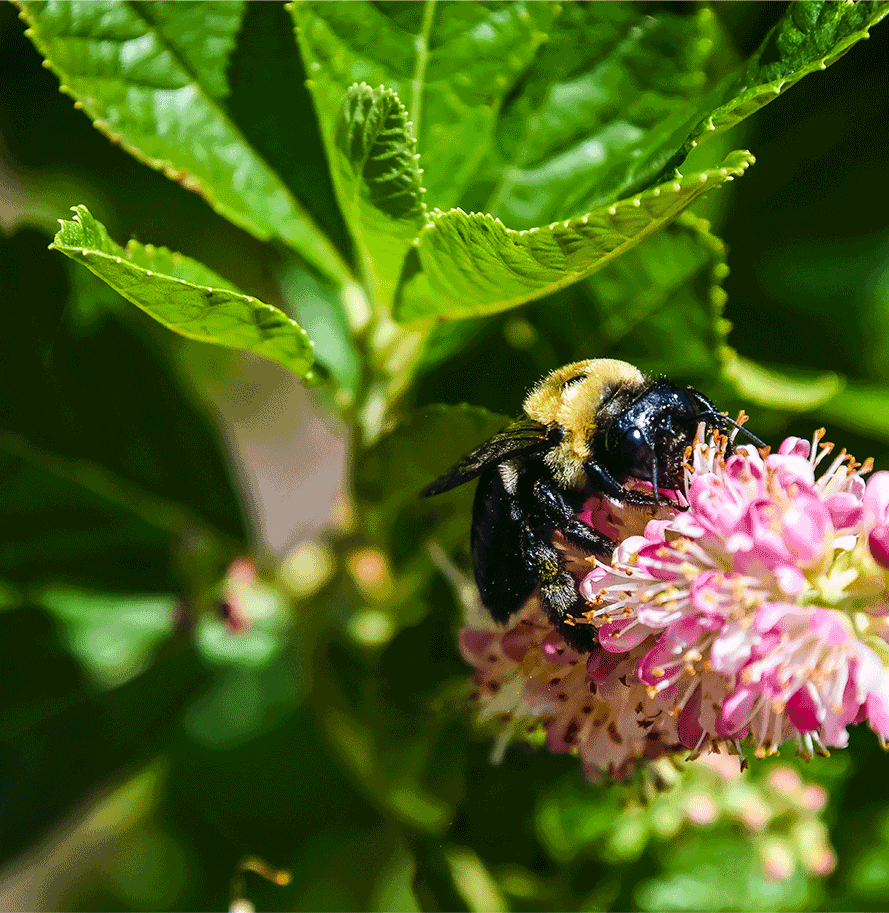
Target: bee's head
column 644, row 434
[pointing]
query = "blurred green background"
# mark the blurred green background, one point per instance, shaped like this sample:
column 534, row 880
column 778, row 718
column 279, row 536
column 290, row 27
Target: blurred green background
column 143, row 756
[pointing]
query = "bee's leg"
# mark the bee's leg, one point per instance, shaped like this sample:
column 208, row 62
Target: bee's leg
column 602, row 480
column 557, row 511
column 558, row 589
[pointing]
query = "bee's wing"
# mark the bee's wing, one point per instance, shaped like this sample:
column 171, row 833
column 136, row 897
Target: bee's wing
column 522, row 438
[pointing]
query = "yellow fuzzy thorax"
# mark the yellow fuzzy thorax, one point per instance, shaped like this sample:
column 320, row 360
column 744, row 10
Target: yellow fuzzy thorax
column 557, row 402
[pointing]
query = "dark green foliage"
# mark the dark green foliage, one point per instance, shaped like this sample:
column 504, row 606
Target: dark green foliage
column 329, row 146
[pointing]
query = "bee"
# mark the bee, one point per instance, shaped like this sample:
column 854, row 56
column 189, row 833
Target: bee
column 588, row 427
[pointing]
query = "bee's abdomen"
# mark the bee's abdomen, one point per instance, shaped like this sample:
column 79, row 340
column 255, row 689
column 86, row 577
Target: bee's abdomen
column 503, row 578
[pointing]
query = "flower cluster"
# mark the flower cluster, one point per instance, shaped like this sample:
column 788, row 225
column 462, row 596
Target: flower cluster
column 756, row 610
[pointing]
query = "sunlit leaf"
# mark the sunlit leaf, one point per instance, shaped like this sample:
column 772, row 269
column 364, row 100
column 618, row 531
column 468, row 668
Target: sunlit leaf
column 862, row 408
column 379, row 184
column 811, row 35
column 451, row 64
column 605, row 86
column 150, row 76
column 171, row 288
column 472, row 264
column 474, row 882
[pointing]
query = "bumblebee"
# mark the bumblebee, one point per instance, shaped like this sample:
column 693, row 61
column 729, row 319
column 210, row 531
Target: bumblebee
column 588, row 427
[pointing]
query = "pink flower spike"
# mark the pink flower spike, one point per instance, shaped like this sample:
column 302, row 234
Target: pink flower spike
column 756, row 614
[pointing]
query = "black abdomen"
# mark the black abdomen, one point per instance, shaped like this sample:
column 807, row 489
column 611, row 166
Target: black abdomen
column 501, row 574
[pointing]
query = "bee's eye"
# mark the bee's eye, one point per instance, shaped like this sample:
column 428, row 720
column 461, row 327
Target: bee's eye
column 635, row 451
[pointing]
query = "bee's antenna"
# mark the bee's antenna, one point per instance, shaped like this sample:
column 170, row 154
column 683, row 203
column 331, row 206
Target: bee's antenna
column 724, row 420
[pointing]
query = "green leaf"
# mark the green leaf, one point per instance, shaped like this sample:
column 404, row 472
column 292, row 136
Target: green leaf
column 568, row 820
column 202, row 35
column 625, row 110
column 451, row 63
column 862, row 408
column 244, row 701
column 658, row 306
column 701, row 870
column 602, row 88
column 151, row 76
column 472, row 265
column 786, row 389
column 112, row 635
column 379, row 184
column 175, row 291
column 473, row 881
column 811, row 36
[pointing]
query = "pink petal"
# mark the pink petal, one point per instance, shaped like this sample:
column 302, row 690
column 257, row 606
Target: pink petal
column 731, row 650
column 590, row 585
column 602, row 664
column 617, row 637
column 828, row 627
column 515, row 643
column 802, row 710
column 689, row 726
column 878, row 543
column 792, row 470
column 661, row 562
column 475, row 645
column 795, row 446
column 734, row 715
column 769, row 615
column 557, row 651
column 745, row 467
column 876, row 502
column 845, row 508
column 667, row 656
column 877, row 715
column 869, row 673
column 655, row 530
column 714, row 505
column 791, row 580
column 706, row 594
column 807, row 529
